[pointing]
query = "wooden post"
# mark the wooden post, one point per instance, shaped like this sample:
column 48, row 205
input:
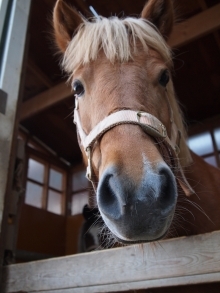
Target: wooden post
column 11, row 72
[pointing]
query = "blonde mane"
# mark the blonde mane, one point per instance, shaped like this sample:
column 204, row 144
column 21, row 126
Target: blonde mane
column 118, row 39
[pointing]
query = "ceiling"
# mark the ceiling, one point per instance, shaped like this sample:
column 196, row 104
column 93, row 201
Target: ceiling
column 196, row 75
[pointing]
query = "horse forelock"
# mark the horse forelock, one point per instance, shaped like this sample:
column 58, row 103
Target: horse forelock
column 118, row 38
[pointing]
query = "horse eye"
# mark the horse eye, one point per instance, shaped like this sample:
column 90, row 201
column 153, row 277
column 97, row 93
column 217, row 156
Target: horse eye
column 78, row 88
column 164, row 78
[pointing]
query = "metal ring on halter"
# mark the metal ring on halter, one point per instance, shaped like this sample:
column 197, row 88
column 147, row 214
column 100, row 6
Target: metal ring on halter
column 177, row 149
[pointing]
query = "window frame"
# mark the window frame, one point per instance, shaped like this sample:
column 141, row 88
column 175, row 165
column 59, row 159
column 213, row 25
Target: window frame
column 49, row 163
column 88, row 189
column 208, row 125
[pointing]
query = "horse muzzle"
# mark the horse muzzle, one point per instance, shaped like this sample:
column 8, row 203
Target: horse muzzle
column 140, row 212
column 136, row 211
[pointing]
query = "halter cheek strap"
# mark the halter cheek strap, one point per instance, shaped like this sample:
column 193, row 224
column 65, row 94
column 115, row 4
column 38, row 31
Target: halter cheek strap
column 149, row 123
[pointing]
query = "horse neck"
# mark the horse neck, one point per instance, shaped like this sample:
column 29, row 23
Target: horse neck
column 205, row 180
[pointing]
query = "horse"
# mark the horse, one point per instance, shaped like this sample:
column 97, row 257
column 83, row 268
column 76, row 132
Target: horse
column 148, row 184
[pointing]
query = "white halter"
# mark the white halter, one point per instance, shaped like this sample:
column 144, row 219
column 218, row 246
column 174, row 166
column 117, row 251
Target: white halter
column 149, row 123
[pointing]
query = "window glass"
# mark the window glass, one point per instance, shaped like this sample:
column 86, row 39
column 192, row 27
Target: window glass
column 36, row 170
column 217, row 137
column 79, row 180
column 78, row 202
column 33, row 195
column 201, row 144
column 211, row 160
column 54, row 204
column 56, row 179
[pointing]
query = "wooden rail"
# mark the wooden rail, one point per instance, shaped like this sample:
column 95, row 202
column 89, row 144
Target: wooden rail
column 195, row 27
column 180, row 261
column 45, row 100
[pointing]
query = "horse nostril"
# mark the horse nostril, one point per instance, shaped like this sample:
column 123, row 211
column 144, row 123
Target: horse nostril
column 168, row 189
column 107, row 197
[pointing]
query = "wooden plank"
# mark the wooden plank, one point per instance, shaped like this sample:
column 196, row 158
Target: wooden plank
column 195, row 27
column 45, row 100
column 204, row 6
column 175, row 261
column 148, row 284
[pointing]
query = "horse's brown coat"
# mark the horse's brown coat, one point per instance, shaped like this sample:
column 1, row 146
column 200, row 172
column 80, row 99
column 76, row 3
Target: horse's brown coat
column 126, row 87
column 134, row 85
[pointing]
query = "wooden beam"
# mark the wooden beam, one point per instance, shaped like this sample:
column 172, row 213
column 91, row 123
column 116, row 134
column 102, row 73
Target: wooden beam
column 204, row 6
column 195, row 27
column 45, row 100
column 180, row 261
column 39, row 74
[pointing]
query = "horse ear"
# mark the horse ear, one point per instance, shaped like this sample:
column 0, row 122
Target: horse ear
column 65, row 21
column 161, row 14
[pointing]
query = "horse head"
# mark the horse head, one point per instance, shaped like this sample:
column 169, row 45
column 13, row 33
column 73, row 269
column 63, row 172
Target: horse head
column 129, row 124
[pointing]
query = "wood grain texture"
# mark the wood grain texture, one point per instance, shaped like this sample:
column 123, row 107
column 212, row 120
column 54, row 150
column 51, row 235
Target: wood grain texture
column 45, row 100
column 195, row 27
column 185, row 260
column 11, row 67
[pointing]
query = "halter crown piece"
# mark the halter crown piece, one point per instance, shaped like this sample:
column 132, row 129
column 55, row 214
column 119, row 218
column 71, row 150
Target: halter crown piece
column 149, row 123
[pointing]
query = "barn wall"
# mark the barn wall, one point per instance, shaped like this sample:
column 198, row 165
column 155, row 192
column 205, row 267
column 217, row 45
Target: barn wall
column 46, row 233
column 73, row 226
column 41, row 232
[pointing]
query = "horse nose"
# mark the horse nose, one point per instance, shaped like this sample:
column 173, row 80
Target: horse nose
column 116, row 192
column 133, row 209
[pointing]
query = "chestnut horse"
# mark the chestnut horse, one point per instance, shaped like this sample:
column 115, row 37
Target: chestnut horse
column 130, row 128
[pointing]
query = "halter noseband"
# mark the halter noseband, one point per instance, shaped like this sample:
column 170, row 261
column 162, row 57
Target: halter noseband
column 149, row 123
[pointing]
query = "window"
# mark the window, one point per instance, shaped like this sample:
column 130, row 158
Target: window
column 207, row 145
column 80, row 191
column 55, row 191
column 217, row 137
column 46, row 186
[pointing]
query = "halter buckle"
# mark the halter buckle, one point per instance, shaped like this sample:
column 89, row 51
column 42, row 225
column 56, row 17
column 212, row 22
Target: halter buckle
column 139, row 114
column 154, row 128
